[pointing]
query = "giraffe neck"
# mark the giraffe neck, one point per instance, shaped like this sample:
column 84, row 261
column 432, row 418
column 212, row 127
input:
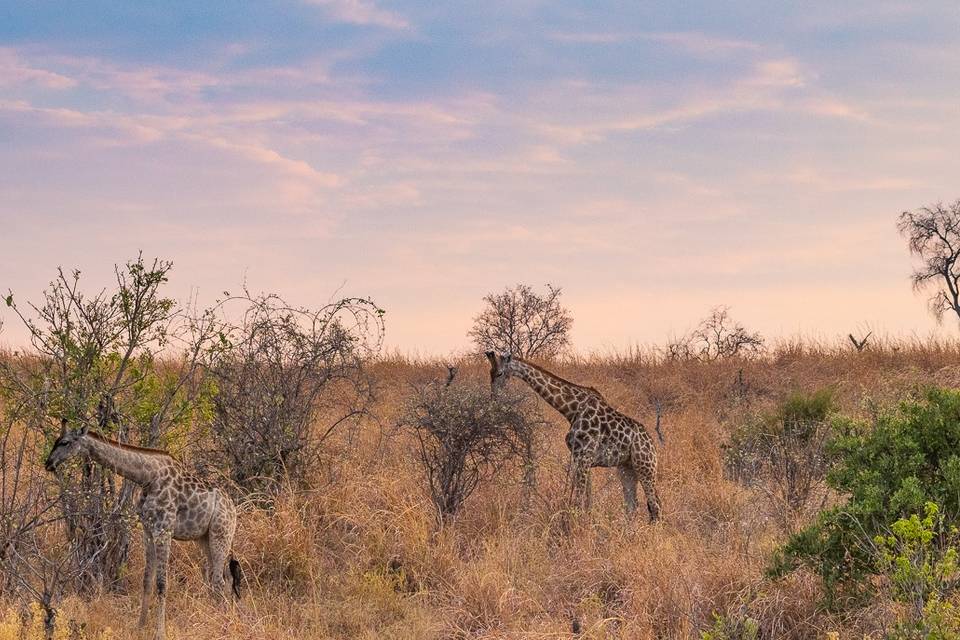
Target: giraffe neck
column 559, row 394
column 136, row 465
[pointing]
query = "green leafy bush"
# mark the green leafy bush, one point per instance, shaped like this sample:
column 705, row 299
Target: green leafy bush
column 732, row 628
column 888, row 469
column 919, row 558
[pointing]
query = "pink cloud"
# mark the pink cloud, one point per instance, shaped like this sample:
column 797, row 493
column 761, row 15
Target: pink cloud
column 361, row 12
column 15, row 71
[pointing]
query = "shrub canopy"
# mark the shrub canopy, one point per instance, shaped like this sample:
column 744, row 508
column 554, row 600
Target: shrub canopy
column 888, row 468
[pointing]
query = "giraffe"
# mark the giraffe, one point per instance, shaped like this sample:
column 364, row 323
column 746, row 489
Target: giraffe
column 599, row 436
column 173, row 505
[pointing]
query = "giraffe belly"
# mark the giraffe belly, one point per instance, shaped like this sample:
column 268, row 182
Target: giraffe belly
column 609, row 455
column 193, row 518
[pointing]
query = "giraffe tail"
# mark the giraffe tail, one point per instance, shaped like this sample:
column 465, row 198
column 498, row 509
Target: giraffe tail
column 659, row 408
column 237, row 576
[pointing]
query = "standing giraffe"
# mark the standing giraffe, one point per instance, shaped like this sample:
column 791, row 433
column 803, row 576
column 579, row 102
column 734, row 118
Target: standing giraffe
column 173, row 505
column 599, row 436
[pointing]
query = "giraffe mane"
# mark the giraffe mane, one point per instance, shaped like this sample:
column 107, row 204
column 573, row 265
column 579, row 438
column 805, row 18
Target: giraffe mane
column 128, row 447
column 563, row 380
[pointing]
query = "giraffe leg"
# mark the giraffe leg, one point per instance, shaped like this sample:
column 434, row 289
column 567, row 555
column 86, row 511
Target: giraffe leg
column 628, row 478
column 208, row 553
column 580, row 485
column 149, row 571
column 650, row 490
column 220, row 539
column 218, row 563
column 162, row 542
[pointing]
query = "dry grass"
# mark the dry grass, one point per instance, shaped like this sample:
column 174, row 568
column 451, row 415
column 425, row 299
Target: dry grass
column 359, row 555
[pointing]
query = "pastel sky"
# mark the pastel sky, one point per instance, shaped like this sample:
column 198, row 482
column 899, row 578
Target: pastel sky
column 653, row 159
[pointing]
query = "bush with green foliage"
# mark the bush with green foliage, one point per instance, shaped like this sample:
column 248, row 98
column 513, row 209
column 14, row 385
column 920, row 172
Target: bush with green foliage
column 738, row 627
column 888, row 469
column 919, row 558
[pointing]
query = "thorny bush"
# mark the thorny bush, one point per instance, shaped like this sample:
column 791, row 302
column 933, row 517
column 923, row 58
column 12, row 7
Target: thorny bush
column 465, row 435
column 289, row 377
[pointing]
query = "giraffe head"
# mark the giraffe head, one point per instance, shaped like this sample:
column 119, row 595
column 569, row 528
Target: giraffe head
column 69, row 444
column 502, row 367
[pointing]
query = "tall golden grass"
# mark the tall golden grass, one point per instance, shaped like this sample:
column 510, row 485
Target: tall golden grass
column 359, row 554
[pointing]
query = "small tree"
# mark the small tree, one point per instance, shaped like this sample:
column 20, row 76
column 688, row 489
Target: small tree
column 521, row 321
column 933, row 235
column 717, row 336
column 289, row 377
column 465, row 435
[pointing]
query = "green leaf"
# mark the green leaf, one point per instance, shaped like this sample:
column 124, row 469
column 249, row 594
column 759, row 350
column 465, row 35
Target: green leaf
column 9, row 300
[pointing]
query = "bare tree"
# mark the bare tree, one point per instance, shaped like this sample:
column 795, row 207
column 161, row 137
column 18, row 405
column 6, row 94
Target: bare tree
column 717, row 336
column 94, row 358
column 521, row 321
column 465, row 435
column 284, row 371
column 933, row 235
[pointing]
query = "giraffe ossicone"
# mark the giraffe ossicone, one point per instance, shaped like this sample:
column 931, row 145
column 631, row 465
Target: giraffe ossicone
column 599, row 436
column 174, row 505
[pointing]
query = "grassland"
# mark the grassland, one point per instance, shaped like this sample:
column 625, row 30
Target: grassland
column 358, row 554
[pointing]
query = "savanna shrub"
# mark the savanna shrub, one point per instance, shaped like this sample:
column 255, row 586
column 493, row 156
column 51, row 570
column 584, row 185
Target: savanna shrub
column 287, row 379
column 466, row 435
column 783, row 453
column 732, row 628
column 919, row 559
column 888, row 469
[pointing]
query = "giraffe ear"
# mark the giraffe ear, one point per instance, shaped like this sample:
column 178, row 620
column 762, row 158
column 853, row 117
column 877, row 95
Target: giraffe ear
column 492, row 357
column 84, row 427
column 506, row 357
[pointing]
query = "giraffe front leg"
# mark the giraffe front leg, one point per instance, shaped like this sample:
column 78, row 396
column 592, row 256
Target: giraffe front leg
column 162, row 542
column 149, row 571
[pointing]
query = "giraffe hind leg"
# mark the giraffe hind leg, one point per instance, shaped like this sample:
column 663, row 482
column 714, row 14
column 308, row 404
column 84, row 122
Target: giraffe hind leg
column 220, row 541
column 580, row 485
column 149, row 573
column 217, row 566
column 650, row 490
column 628, row 478
column 211, row 561
column 162, row 541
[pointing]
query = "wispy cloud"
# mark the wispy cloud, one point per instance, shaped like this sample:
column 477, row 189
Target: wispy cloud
column 822, row 181
column 361, row 12
column 701, row 43
column 592, row 112
column 693, row 42
column 15, row 71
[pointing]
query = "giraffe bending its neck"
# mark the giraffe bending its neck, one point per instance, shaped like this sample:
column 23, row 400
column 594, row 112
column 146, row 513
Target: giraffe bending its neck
column 599, row 436
column 173, row 506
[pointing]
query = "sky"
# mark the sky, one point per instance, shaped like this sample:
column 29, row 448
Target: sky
column 652, row 159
